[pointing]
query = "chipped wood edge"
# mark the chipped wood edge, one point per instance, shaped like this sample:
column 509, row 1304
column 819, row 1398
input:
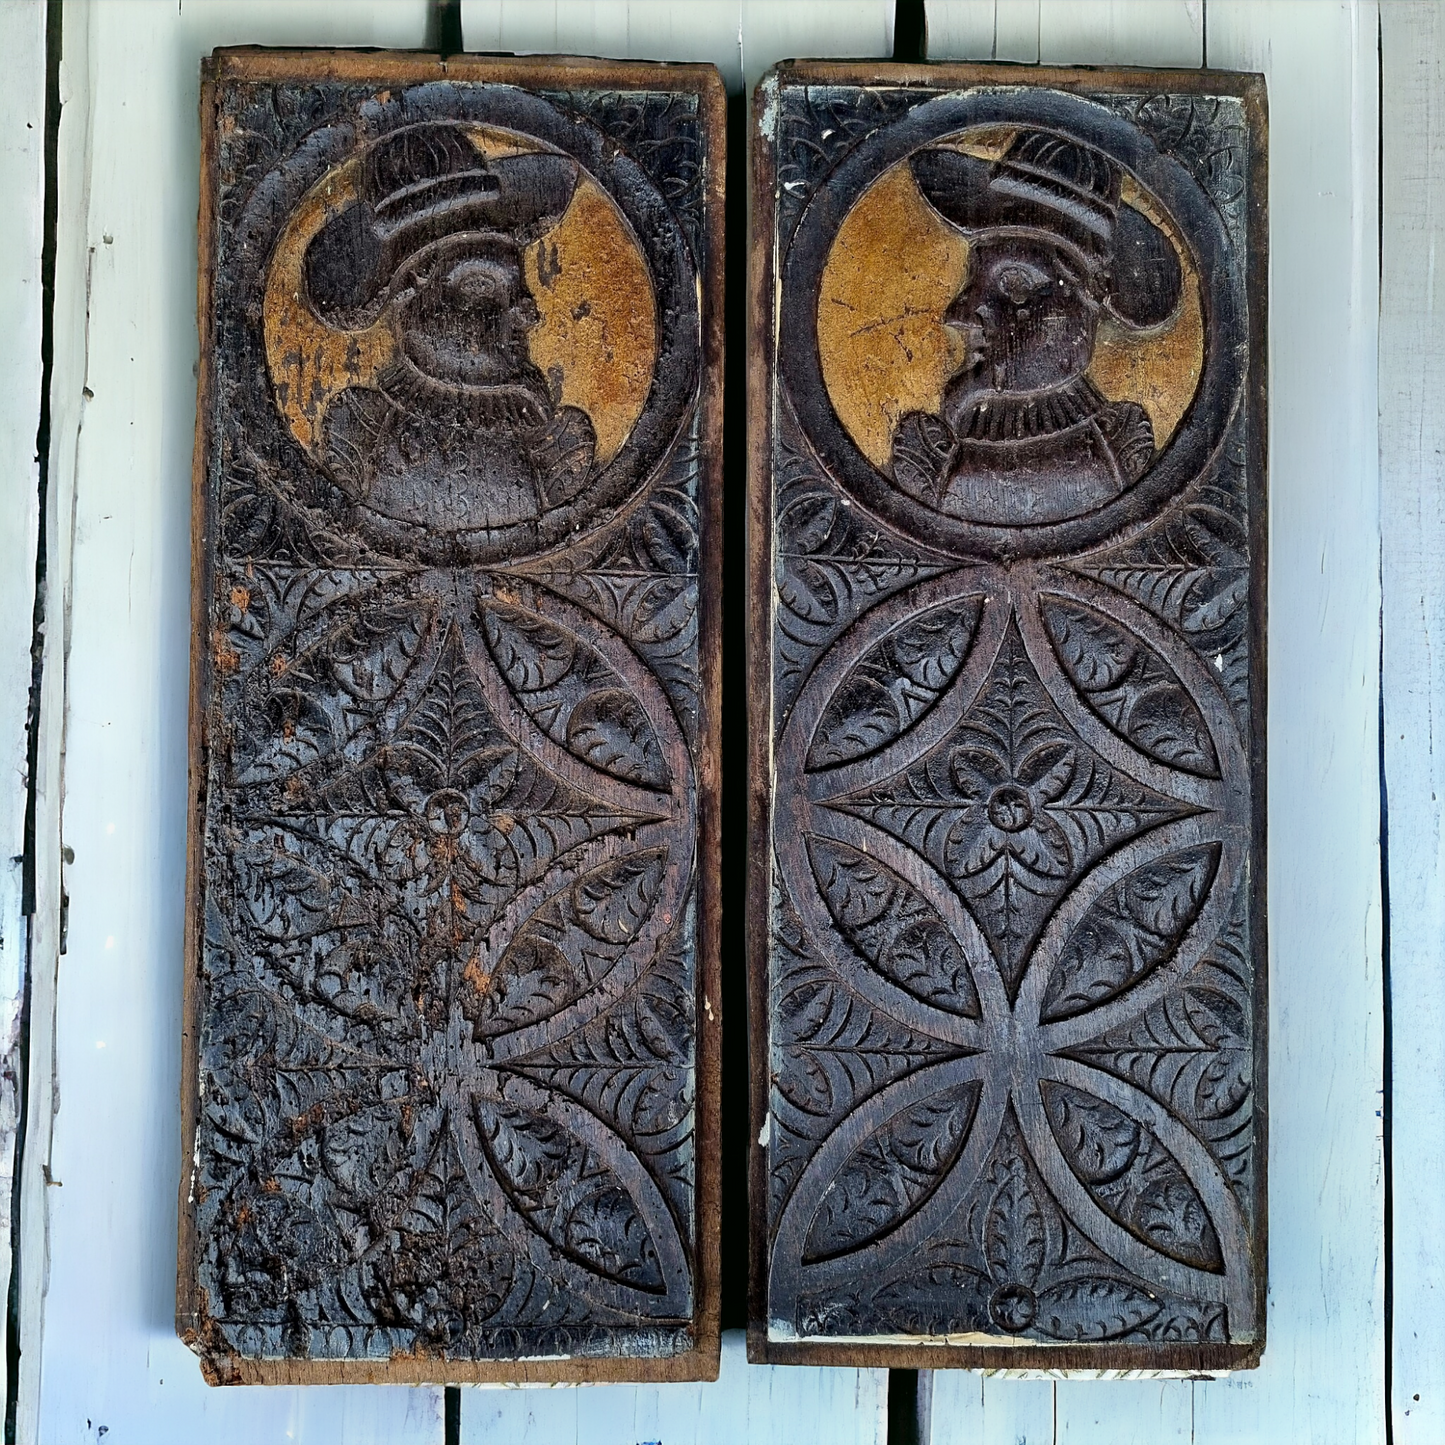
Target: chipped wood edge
column 701, row 1362
column 1057, row 1361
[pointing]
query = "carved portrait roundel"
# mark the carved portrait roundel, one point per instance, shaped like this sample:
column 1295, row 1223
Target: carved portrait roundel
column 450, row 300
column 1002, row 342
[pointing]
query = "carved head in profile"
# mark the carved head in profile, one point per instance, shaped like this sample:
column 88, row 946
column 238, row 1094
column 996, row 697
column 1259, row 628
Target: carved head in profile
column 460, row 433
column 1023, row 435
column 437, row 234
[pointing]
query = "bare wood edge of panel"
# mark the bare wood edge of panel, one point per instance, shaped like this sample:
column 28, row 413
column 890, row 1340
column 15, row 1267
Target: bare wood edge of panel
column 761, row 172
column 1252, row 89
column 1187, row 1361
column 411, row 67
column 189, row 1307
column 1255, row 97
column 702, row 1362
column 939, row 75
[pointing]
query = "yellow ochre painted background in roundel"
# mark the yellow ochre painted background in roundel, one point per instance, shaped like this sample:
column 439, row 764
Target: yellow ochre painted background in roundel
column 894, row 267
column 596, row 341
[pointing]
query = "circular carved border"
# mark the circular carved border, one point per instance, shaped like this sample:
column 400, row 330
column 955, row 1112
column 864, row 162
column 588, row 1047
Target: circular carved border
column 678, row 365
column 1199, row 433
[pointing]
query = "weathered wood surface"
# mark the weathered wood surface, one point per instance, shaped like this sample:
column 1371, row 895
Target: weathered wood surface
column 22, row 145
column 741, row 37
column 1412, row 528
column 784, row 1405
column 1008, row 923
column 451, row 1066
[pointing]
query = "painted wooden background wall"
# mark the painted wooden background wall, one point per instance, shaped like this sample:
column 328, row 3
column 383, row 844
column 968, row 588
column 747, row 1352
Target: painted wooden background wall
column 1357, row 431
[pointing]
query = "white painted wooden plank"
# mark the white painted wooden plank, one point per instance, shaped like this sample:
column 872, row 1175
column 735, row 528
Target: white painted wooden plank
column 1124, row 1412
column 109, row 1355
column 1121, row 32
column 1068, row 32
column 1412, row 520
column 814, row 29
column 1322, row 1378
column 1016, row 30
column 741, row 37
column 960, row 29
column 756, row 1404
column 969, row 1408
column 22, row 184
column 67, row 406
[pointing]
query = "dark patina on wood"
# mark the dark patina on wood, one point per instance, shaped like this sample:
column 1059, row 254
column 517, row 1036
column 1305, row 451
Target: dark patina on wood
column 451, row 1066
column 1007, row 898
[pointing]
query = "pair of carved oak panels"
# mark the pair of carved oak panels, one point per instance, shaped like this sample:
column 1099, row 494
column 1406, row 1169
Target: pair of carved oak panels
column 451, row 1095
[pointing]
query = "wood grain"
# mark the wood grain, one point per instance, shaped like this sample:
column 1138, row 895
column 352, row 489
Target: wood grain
column 960, row 998
column 1412, row 527
column 22, row 144
column 758, row 1404
column 741, row 37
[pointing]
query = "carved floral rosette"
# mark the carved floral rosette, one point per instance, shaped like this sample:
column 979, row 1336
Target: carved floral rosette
column 1011, row 891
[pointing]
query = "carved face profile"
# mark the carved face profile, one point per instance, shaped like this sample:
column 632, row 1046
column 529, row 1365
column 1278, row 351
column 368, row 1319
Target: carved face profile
column 1023, row 436
column 459, row 432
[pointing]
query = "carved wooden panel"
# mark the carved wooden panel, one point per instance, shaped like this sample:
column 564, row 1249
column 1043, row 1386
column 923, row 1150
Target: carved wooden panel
column 451, row 1067
column 1007, row 899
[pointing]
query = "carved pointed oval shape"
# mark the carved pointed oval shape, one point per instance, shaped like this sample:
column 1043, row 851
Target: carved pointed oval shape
column 1131, row 1176
column 892, row 1173
column 566, row 1192
column 1130, row 687
column 895, row 683
column 573, row 941
column 576, row 697
column 1129, row 930
column 894, row 927
column 1094, row 1308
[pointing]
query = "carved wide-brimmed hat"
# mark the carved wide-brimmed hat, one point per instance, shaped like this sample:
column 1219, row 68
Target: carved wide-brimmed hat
column 1055, row 188
column 417, row 185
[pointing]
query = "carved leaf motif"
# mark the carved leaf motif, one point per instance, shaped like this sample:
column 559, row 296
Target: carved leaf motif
column 639, row 577
column 566, row 1191
column 1014, row 1235
column 941, row 1299
column 892, row 1173
column 285, row 889
column 1190, row 570
column 1190, row 1050
column 1130, row 930
column 1094, row 1309
column 1131, row 1176
column 575, row 697
column 827, row 563
column 893, row 927
column 895, row 683
column 840, row 1049
column 314, row 657
column 632, row 1067
column 1225, row 1083
column 569, row 945
column 455, row 1271
column 450, row 739
column 1130, row 687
